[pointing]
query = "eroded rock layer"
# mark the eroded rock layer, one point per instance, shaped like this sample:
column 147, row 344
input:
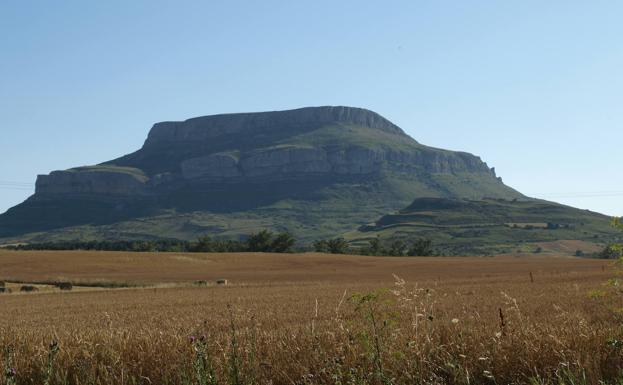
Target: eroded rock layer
column 335, row 158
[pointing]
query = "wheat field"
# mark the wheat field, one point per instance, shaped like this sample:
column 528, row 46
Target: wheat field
column 308, row 319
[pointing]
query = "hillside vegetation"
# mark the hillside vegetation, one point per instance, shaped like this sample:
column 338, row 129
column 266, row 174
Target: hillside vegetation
column 313, row 172
column 491, row 226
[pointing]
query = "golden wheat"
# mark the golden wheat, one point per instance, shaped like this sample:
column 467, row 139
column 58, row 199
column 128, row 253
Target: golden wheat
column 312, row 319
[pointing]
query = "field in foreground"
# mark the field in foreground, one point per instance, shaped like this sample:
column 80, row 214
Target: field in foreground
column 310, row 319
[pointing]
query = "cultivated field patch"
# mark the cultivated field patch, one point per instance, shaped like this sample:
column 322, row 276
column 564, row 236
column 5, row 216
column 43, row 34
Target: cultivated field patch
column 312, row 319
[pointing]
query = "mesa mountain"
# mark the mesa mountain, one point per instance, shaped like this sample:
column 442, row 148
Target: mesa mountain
column 315, row 172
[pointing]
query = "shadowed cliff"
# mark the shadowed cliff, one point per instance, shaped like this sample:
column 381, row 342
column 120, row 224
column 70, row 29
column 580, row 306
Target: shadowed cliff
column 312, row 171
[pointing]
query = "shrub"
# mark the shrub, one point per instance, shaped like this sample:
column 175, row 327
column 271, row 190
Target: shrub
column 28, row 288
column 333, row 246
column 260, row 242
column 612, row 251
column 65, row 286
column 374, row 247
column 203, row 245
column 422, row 247
column 321, row 246
column 283, row 243
column 397, row 249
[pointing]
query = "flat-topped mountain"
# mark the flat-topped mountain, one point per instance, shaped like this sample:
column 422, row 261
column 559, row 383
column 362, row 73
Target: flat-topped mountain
column 258, row 147
column 316, row 172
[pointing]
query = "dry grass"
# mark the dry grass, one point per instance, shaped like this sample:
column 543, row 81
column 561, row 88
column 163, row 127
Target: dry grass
column 296, row 320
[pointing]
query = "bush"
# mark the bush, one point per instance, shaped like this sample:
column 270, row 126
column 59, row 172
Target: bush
column 612, row 251
column 28, row 288
column 333, row 246
column 321, row 246
column 374, row 247
column 66, row 286
column 422, row 247
column 203, row 245
column 266, row 242
column 260, row 242
column 283, row 243
column 397, row 249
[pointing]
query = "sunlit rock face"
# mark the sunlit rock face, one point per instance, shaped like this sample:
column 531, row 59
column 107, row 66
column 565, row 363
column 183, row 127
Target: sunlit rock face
column 328, row 158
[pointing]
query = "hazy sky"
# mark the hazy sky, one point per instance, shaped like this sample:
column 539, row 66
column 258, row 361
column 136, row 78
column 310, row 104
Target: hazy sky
column 533, row 87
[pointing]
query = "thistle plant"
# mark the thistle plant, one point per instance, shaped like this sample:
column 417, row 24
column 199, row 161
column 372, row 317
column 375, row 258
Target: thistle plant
column 234, row 364
column 52, row 351
column 10, row 372
column 368, row 305
column 203, row 365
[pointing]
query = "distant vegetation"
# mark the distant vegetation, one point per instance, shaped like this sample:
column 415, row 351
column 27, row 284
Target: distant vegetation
column 264, row 241
column 397, row 248
column 614, row 250
column 489, row 226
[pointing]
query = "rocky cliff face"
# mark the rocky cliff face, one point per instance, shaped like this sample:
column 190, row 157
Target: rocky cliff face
column 297, row 162
column 262, row 147
column 92, row 181
column 299, row 120
column 314, row 161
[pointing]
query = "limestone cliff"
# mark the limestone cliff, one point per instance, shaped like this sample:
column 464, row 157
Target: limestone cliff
column 339, row 158
column 251, row 147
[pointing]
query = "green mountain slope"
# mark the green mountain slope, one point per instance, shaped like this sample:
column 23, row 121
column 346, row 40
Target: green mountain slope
column 317, row 172
column 490, row 226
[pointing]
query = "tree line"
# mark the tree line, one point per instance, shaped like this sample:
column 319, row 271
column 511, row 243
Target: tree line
column 419, row 247
column 263, row 241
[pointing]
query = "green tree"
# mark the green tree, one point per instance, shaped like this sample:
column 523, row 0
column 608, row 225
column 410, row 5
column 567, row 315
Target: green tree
column 333, row 246
column 321, row 246
column 204, row 245
column 337, row 246
column 397, row 248
column 260, row 242
column 614, row 250
column 283, row 243
column 143, row 246
column 374, row 246
column 422, row 247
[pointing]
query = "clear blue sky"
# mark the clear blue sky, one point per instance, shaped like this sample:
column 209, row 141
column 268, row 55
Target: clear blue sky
column 533, row 87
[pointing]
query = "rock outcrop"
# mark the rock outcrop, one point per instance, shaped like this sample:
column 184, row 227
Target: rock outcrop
column 251, row 147
column 92, row 180
column 299, row 120
column 339, row 158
